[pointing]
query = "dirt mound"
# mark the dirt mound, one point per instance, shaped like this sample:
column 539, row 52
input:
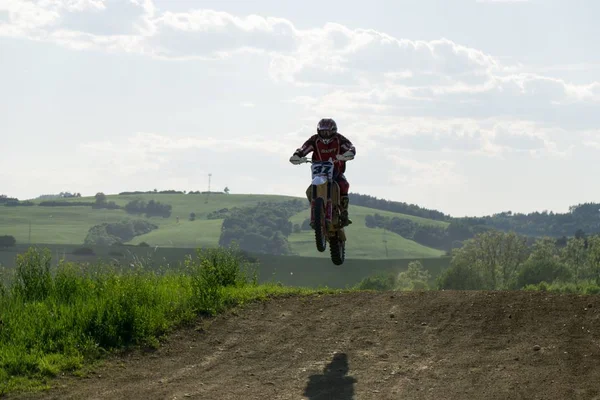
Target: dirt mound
column 431, row 345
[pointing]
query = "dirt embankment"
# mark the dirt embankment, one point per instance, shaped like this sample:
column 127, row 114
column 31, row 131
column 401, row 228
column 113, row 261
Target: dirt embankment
column 432, row 345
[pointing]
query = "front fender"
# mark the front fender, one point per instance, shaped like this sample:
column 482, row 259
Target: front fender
column 319, row 180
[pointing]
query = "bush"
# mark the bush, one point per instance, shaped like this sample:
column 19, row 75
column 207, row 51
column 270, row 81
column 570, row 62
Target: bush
column 8, row 241
column 414, row 278
column 52, row 203
column 548, row 270
column 381, row 282
column 461, row 277
column 211, row 271
column 17, row 203
column 84, row 251
column 582, row 287
column 117, row 233
column 151, row 209
column 33, row 280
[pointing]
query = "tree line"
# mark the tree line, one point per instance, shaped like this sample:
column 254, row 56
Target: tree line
column 110, row 234
column 428, row 235
column 263, row 228
column 396, row 206
column 579, row 219
column 496, row 260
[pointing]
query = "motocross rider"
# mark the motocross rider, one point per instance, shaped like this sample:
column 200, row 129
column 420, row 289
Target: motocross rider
column 326, row 144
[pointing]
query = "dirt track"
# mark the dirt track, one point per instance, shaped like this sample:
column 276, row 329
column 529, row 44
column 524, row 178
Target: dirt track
column 436, row 345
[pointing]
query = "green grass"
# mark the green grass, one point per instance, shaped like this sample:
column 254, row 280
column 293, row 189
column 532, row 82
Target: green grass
column 59, row 320
column 363, row 242
column 192, row 234
column 361, row 212
column 312, row 272
column 70, row 225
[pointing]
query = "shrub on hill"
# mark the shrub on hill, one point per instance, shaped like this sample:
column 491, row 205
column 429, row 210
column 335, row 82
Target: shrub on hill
column 114, row 233
column 395, row 206
column 220, row 214
column 263, row 228
column 427, row 235
column 151, row 209
column 84, row 251
column 152, row 192
column 5, row 199
column 8, row 241
column 57, row 203
column 17, row 203
column 109, row 205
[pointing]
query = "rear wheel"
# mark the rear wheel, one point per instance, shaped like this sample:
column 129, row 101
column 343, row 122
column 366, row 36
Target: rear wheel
column 320, row 225
column 337, row 248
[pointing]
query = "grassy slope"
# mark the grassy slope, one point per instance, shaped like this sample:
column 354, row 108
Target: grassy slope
column 69, row 225
column 365, row 242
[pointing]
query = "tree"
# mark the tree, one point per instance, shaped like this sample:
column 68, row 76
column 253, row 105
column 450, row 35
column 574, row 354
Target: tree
column 543, row 265
column 495, row 256
column 7, row 241
column 192, row 216
column 226, row 190
column 415, row 277
column 100, row 198
column 594, row 258
column 574, row 256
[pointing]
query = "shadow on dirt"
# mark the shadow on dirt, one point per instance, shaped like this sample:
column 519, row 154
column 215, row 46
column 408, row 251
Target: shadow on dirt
column 333, row 383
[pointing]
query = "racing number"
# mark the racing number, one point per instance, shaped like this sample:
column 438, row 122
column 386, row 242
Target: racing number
column 321, row 169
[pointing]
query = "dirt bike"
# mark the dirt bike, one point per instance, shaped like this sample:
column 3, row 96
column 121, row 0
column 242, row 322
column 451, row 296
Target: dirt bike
column 325, row 208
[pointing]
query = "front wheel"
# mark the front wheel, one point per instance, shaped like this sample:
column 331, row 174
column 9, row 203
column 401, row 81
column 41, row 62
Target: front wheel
column 320, row 225
column 337, row 248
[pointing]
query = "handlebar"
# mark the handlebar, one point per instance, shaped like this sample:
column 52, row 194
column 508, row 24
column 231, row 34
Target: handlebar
column 306, row 160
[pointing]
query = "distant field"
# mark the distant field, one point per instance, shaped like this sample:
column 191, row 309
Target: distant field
column 365, row 242
column 69, row 225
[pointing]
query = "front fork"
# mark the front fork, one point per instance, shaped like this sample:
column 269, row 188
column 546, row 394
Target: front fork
column 328, row 206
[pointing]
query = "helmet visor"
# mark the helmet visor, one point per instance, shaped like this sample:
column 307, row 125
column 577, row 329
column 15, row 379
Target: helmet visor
column 326, row 133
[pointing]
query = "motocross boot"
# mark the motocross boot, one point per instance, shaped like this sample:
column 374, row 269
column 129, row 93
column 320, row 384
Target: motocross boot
column 344, row 213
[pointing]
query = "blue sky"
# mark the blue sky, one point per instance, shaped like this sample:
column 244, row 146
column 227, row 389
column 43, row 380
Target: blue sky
column 470, row 107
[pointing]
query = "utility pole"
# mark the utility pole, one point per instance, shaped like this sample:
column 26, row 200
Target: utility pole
column 208, row 193
column 385, row 242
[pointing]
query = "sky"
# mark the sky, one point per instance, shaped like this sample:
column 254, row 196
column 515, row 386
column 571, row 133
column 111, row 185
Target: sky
column 470, row 107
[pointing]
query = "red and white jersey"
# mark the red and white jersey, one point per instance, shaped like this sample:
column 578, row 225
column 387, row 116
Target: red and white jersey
column 322, row 151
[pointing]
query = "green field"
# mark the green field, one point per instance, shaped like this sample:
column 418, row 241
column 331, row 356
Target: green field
column 69, row 225
column 366, row 242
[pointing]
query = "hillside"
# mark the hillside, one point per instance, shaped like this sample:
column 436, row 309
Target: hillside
column 365, row 242
column 70, row 225
column 412, row 345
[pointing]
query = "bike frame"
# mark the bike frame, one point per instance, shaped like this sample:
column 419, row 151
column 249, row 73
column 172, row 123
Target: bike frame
column 321, row 187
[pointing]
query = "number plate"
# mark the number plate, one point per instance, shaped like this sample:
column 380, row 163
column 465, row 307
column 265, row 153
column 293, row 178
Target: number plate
column 322, row 168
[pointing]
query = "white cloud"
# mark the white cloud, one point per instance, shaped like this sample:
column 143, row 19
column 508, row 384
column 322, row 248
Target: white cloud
column 412, row 173
column 502, row 1
column 151, row 144
column 370, row 68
